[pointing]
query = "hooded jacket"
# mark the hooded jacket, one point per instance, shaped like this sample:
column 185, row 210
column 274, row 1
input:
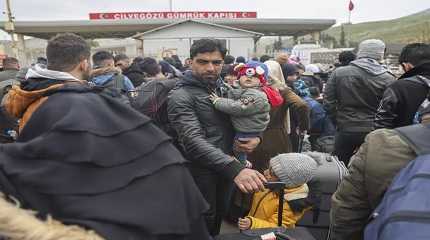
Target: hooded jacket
column 86, row 159
column 402, row 99
column 353, row 93
column 105, row 76
column 264, row 209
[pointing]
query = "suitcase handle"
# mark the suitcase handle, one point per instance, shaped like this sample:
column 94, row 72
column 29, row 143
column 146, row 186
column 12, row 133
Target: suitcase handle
column 278, row 187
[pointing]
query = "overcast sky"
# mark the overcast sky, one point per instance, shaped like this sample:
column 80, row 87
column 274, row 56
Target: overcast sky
column 365, row 10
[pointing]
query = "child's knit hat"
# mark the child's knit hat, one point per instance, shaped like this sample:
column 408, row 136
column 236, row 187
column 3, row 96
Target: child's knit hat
column 253, row 69
column 294, row 169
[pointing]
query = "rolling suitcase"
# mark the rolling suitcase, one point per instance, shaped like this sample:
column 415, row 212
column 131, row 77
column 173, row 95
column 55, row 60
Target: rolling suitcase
column 280, row 232
column 322, row 187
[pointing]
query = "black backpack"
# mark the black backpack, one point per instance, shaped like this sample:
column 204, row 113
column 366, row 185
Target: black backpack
column 151, row 99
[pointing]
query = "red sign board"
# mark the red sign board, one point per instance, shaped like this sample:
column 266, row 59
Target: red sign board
column 170, row 15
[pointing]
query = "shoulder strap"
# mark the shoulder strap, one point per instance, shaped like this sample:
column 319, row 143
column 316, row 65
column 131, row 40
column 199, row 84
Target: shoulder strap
column 417, row 136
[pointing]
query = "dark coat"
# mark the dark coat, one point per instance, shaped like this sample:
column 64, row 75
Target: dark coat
column 353, row 93
column 402, row 99
column 276, row 139
column 205, row 134
column 89, row 160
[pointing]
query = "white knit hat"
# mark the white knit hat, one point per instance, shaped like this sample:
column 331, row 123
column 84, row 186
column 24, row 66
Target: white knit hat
column 371, row 48
column 294, row 169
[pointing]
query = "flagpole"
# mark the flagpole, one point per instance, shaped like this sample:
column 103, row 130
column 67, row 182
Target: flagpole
column 349, row 17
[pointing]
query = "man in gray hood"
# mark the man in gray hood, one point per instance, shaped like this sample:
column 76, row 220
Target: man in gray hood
column 353, row 94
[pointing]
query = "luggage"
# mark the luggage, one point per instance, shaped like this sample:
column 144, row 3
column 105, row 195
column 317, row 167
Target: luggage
column 281, row 233
column 325, row 144
column 404, row 212
column 322, row 187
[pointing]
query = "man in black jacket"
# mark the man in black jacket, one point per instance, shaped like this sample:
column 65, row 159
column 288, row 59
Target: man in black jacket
column 353, row 94
column 402, row 99
column 206, row 135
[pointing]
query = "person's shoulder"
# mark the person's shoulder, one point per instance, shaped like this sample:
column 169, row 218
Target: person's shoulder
column 386, row 138
column 180, row 93
column 344, row 69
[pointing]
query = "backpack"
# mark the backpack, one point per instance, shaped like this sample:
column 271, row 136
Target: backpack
column 151, row 99
column 404, row 212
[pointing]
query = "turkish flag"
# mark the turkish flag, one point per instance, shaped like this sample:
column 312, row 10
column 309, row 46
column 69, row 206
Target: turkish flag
column 351, row 5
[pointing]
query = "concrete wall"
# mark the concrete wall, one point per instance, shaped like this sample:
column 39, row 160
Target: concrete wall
column 177, row 39
column 181, row 47
column 195, row 30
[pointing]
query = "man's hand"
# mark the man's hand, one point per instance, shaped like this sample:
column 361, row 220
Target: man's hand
column 248, row 146
column 249, row 181
column 244, row 223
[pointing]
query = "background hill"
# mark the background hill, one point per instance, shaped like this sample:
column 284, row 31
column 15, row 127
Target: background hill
column 412, row 28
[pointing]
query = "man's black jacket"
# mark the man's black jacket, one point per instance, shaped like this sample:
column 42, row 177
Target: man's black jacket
column 205, row 134
column 402, row 99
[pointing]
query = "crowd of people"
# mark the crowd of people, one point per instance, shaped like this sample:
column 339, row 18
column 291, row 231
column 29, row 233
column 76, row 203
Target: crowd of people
column 76, row 146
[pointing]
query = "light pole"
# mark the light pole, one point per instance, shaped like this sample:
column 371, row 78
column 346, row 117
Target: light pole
column 171, row 5
column 10, row 28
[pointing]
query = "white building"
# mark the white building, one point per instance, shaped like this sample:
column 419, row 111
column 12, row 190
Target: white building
column 160, row 37
column 177, row 38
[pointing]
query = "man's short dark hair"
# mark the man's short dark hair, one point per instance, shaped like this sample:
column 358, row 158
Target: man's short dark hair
column 415, row 53
column 101, row 56
column 150, row 66
column 10, row 62
column 240, row 59
column 65, row 51
column 265, row 58
column 120, row 57
column 228, row 59
column 346, row 57
column 207, row 45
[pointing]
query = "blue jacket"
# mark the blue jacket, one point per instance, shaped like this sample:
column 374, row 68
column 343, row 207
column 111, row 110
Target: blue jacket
column 320, row 123
column 101, row 80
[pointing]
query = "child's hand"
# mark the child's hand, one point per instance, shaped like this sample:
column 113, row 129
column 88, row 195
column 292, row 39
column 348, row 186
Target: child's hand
column 244, row 223
column 213, row 97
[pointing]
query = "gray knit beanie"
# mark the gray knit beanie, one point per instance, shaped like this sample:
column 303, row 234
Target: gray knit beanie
column 294, row 169
column 371, row 48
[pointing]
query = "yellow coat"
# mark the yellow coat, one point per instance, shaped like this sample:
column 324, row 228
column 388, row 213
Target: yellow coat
column 264, row 210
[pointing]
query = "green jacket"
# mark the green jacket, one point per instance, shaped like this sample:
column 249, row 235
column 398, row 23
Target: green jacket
column 372, row 168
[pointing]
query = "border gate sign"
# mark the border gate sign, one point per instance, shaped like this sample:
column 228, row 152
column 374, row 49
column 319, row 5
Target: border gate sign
column 170, row 15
